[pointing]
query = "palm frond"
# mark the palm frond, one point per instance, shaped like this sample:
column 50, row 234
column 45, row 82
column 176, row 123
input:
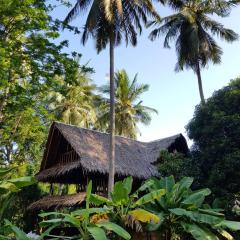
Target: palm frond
column 80, row 6
column 218, row 29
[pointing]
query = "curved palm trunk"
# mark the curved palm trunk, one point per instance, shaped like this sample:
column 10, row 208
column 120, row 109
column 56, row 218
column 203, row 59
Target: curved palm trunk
column 112, row 122
column 200, row 83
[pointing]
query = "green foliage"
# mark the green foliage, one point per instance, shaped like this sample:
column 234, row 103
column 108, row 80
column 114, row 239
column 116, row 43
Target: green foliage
column 9, row 187
column 75, row 103
column 183, row 212
column 30, row 61
column 129, row 109
column 92, row 223
column 215, row 130
column 17, row 233
column 126, row 208
column 17, row 212
column 178, row 165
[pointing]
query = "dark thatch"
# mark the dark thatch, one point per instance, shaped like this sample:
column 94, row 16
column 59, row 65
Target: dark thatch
column 73, row 150
column 57, row 201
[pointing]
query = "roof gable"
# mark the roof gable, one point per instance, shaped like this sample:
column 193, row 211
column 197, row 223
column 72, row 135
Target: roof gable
column 133, row 157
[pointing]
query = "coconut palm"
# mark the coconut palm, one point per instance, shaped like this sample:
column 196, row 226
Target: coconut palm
column 76, row 103
column 108, row 22
column 129, row 110
column 193, row 30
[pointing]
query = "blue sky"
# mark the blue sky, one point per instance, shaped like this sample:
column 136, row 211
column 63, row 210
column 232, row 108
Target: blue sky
column 174, row 95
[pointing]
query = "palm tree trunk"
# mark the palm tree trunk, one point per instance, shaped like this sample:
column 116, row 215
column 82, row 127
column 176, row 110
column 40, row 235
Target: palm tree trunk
column 112, row 122
column 200, row 83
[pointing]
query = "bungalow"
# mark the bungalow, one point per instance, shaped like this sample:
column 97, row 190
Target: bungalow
column 75, row 155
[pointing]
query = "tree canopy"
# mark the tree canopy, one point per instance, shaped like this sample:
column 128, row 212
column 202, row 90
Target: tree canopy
column 215, row 130
column 30, row 60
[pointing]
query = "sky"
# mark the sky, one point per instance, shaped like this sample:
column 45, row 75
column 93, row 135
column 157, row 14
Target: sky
column 174, row 95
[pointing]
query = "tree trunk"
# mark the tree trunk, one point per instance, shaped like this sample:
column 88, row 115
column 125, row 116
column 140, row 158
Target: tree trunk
column 112, row 122
column 200, row 83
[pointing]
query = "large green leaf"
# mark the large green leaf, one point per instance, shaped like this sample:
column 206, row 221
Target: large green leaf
column 144, row 216
column 146, row 185
column 196, row 198
column 59, row 218
column 127, row 183
column 211, row 212
column 168, row 183
column 182, row 188
column 55, row 221
column 115, row 228
column 232, row 225
column 97, row 233
column 119, row 194
column 186, row 182
column 99, row 200
column 198, row 232
column 179, row 191
column 150, row 197
column 23, row 181
column 86, row 212
column 198, row 217
column 173, row 196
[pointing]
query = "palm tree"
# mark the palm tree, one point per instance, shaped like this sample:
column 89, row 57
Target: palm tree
column 129, row 110
column 108, row 21
column 193, row 30
column 75, row 103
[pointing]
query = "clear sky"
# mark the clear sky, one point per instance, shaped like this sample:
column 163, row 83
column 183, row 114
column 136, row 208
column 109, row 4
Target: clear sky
column 174, row 95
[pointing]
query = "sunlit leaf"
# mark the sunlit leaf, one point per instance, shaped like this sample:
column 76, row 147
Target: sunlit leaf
column 144, row 216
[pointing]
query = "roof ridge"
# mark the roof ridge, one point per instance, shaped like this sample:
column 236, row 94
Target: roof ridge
column 98, row 131
column 160, row 139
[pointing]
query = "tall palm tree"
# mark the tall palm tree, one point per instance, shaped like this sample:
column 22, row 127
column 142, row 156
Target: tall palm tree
column 129, row 110
column 193, row 30
column 109, row 21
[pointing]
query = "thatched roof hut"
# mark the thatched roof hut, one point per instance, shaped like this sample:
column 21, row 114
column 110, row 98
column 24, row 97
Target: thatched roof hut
column 72, row 153
column 76, row 155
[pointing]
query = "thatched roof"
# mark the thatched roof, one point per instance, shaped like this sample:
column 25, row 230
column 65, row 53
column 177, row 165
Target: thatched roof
column 57, row 201
column 133, row 157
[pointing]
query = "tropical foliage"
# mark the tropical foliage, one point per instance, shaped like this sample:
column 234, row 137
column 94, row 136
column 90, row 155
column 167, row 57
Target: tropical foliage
column 29, row 63
column 178, row 165
column 127, row 208
column 75, row 102
column 184, row 212
column 92, row 223
column 192, row 28
column 8, row 187
column 40, row 83
column 129, row 110
column 215, row 129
